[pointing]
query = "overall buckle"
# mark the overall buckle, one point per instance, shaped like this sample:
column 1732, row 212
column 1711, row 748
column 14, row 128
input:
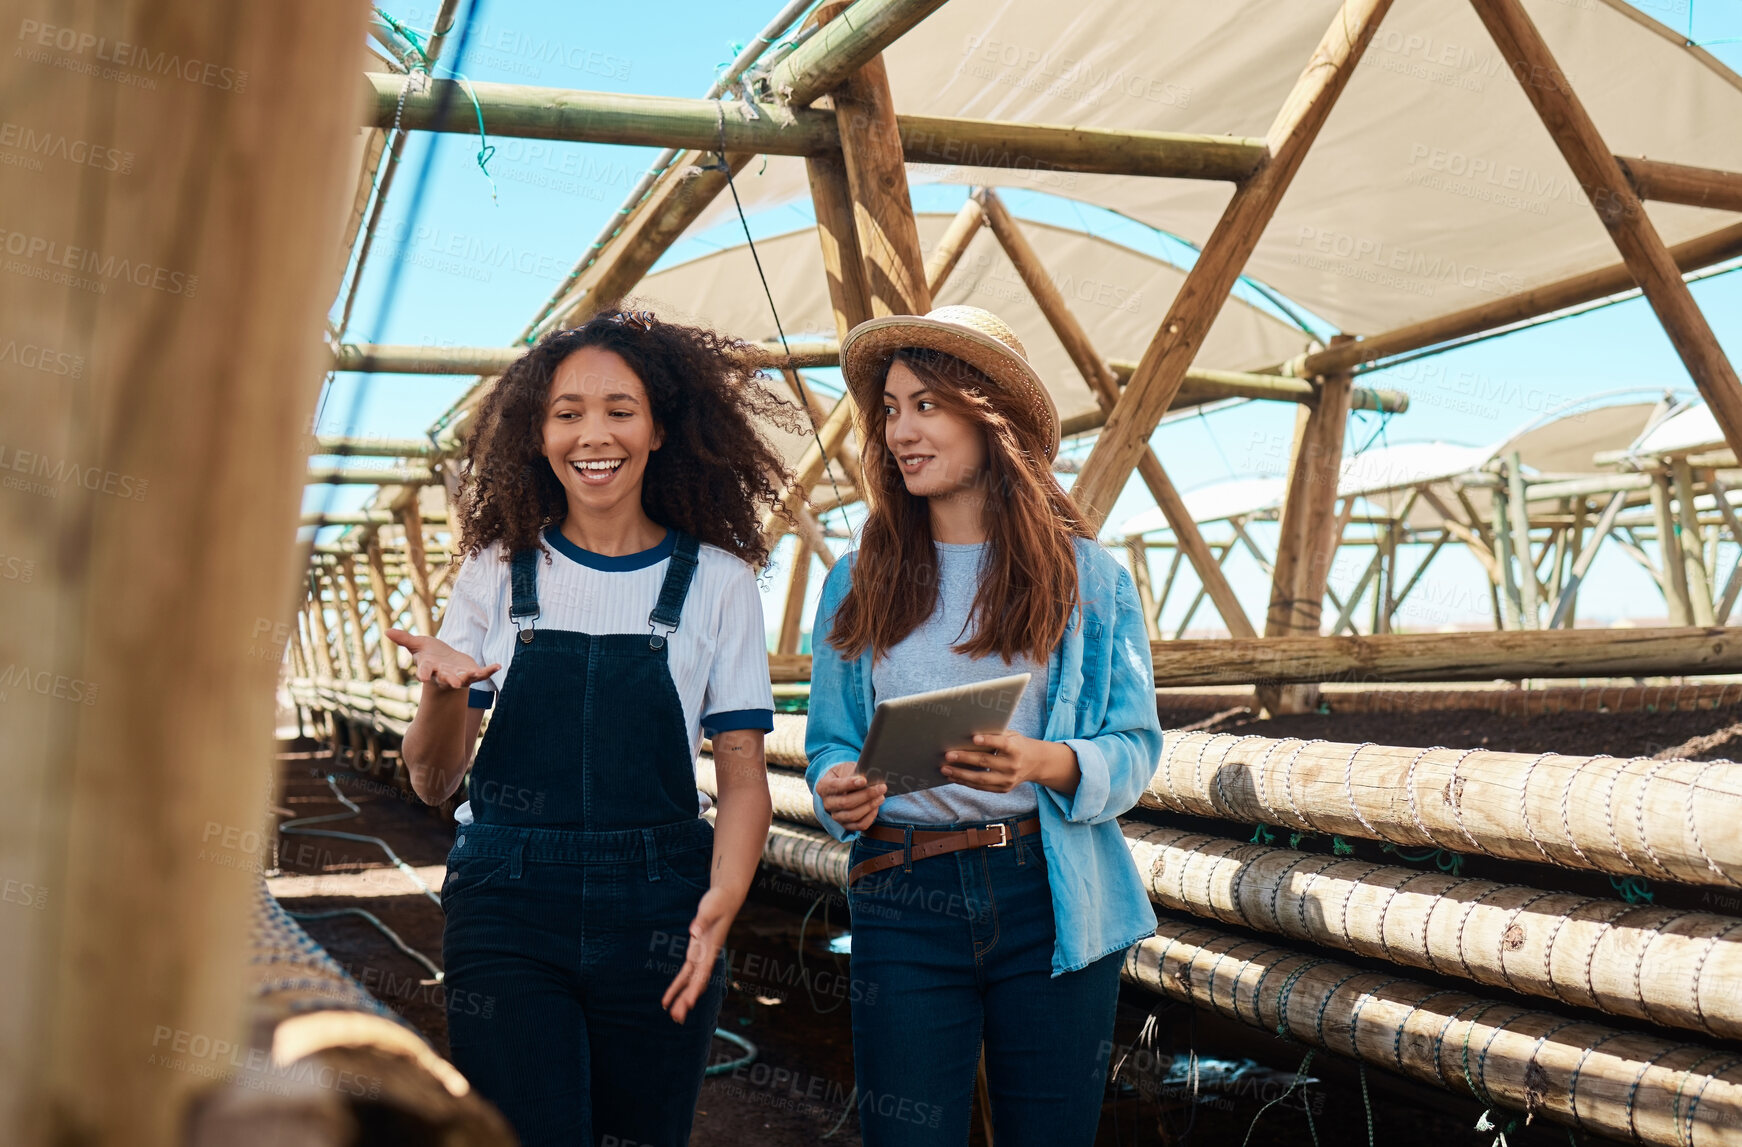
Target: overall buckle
column 1003, row 833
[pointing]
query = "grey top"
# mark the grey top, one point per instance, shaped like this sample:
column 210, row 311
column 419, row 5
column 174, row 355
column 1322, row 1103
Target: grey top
column 924, row 661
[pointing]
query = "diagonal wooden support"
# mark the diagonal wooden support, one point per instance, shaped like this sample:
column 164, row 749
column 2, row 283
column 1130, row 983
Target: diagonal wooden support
column 944, row 257
column 1105, row 387
column 1213, row 276
column 1619, row 208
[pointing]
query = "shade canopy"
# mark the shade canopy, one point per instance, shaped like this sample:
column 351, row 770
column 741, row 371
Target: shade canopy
column 1110, row 288
column 1432, row 187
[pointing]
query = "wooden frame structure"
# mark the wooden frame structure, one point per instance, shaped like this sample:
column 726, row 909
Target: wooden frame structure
column 394, row 561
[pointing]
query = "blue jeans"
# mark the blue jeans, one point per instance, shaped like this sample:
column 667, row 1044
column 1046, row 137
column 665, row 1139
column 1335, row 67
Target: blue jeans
column 558, row 947
column 956, row 951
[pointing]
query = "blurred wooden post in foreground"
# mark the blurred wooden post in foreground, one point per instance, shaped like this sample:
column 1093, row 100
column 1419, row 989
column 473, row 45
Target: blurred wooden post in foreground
column 154, row 489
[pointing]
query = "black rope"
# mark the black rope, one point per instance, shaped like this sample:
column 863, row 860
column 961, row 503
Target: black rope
column 779, row 328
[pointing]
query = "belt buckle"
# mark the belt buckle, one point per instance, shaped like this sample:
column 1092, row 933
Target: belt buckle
column 1003, row 833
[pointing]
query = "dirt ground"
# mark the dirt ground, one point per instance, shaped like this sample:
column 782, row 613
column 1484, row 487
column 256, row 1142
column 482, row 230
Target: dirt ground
column 797, row 1090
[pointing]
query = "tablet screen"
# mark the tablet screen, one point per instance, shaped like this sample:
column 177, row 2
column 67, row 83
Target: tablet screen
column 909, row 735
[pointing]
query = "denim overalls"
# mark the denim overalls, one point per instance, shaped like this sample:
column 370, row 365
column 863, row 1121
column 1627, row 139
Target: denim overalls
column 569, row 899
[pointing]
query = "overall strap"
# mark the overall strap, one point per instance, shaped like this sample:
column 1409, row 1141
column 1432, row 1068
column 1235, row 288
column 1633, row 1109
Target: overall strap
column 675, row 588
column 523, row 580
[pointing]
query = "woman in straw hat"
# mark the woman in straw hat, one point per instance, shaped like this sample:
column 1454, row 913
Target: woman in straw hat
column 995, row 908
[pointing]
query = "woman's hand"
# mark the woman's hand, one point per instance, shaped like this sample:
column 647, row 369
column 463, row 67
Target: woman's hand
column 847, row 797
column 1010, row 759
column 440, row 663
column 707, row 933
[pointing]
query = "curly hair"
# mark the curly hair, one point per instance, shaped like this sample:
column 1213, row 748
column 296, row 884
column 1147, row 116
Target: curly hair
column 712, row 476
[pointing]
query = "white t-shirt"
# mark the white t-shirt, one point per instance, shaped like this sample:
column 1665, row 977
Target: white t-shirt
column 718, row 656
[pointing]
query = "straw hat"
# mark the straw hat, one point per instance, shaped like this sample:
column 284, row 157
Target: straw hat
column 977, row 337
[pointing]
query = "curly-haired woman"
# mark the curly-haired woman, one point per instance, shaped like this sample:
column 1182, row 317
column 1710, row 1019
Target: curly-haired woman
column 995, row 908
column 610, row 526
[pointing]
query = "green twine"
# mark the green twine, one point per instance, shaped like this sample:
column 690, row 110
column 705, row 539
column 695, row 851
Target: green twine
column 486, row 150
column 1261, row 834
column 1484, row 1123
column 1443, row 859
column 1294, row 838
column 1298, row 1072
column 1341, row 847
column 1633, row 889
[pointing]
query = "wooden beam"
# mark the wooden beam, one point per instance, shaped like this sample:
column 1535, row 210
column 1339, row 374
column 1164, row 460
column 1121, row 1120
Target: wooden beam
column 570, row 115
column 1473, row 656
column 1679, row 183
column 810, row 528
column 877, row 177
column 1519, row 307
column 1206, row 287
column 1139, row 555
column 422, row 598
column 1619, row 209
column 1520, row 514
column 1563, row 606
column 381, row 600
column 844, row 45
column 368, row 476
column 372, row 358
column 832, row 203
column 345, row 582
column 944, row 257
column 1105, row 388
column 1671, row 576
column 792, row 615
column 1699, row 581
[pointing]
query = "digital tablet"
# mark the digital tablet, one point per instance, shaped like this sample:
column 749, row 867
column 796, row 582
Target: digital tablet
column 909, row 736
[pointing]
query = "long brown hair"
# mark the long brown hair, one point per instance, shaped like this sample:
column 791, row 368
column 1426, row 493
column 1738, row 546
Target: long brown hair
column 1028, row 577
column 712, row 477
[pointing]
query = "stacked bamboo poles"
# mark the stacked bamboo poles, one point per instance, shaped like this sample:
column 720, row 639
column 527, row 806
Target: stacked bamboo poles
column 1671, row 820
column 1596, row 698
column 1665, row 966
column 1583, row 951
column 1585, row 1074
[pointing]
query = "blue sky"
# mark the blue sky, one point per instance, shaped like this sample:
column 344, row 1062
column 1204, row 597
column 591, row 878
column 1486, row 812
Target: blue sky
column 542, row 203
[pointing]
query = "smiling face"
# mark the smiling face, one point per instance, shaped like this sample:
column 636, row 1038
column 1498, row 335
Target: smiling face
column 599, row 430
column 939, row 452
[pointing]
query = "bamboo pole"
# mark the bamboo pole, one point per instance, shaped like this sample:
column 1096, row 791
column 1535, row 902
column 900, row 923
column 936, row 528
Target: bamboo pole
column 381, row 600
column 1521, row 540
column 877, row 178
column 422, row 599
column 1224, row 256
column 1594, row 1075
column 1520, row 307
column 351, row 623
column 1476, row 656
column 1662, row 965
column 1666, row 966
column 832, row 202
column 1679, row 183
column 1698, row 581
column 1670, row 574
column 1503, row 559
column 851, row 37
column 1139, row 554
column 953, row 244
column 1619, row 209
column 372, row 358
column 1105, row 388
column 792, row 616
column 1668, row 820
column 520, row 111
column 1576, row 1073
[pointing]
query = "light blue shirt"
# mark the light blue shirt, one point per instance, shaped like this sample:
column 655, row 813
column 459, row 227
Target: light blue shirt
column 924, row 660
column 1100, row 702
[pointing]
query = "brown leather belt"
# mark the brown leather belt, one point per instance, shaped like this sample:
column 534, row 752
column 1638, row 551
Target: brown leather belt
column 934, row 842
